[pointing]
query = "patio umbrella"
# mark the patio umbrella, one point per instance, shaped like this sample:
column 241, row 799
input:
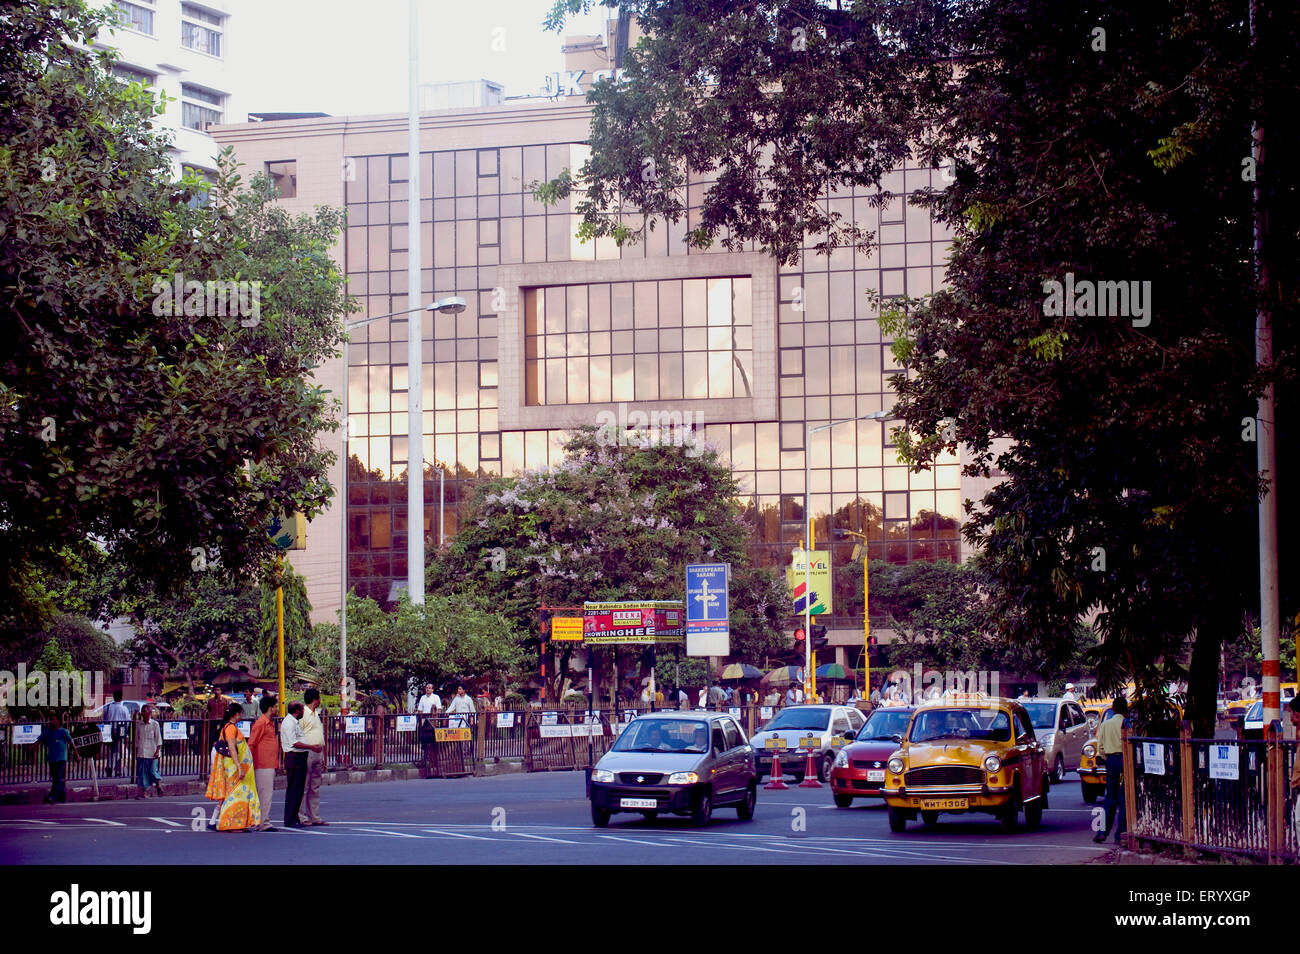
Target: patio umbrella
column 740, row 671
column 784, row 676
column 834, row 672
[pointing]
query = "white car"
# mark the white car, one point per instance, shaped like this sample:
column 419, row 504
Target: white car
column 831, row 726
column 1062, row 729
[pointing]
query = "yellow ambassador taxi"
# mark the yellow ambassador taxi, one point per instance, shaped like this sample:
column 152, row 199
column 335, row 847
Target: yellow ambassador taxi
column 967, row 753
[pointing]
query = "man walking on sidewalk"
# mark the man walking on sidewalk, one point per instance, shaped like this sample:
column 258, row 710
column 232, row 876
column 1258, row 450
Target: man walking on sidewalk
column 1110, row 744
column 57, row 742
column 313, row 735
column 119, row 719
column 148, row 746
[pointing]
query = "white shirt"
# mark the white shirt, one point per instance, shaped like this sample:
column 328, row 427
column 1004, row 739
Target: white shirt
column 290, row 732
column 430, row 703
column 460, row 704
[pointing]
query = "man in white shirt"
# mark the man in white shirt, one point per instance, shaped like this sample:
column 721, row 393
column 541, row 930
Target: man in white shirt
column 462, row 703
column 429, row 702
column 1069, row 695
column 683, row 700
column 313, row 736
column 120, row 718
column 295, row 751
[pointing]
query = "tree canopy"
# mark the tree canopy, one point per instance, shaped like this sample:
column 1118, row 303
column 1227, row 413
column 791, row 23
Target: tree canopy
column 1081, row 144
column 164, row 429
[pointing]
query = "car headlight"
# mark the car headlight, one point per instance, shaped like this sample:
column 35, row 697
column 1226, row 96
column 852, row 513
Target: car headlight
column 842, row 759
column 1090, row 750
column 896, row 765
column 683, row 778
column 601, row 775
column 992, row 764
column 1048, row 740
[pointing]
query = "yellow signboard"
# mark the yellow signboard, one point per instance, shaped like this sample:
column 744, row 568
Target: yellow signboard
column 289, row 532
column 567, row 629
column 798, row 578
column 453, row 735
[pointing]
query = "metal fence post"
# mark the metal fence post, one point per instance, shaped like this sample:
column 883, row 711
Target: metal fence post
column 1130, row 791
column 1186, row 767
column 480, row 725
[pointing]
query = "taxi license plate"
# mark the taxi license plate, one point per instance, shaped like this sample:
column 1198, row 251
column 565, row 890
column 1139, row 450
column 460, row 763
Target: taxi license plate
column 944, row 803
column 637, row 803
column 875, row 775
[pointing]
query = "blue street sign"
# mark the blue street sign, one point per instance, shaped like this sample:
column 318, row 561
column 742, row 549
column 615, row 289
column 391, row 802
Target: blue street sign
column 706, row 594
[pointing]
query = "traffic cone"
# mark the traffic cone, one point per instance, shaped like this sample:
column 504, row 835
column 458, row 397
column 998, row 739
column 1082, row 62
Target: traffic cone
column 774, row 780
column 810, row 774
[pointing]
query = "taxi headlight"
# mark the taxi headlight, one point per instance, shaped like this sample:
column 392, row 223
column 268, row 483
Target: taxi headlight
column 992, row 764
column 601, row 775
column 896, row 765
column 1048, row 740
column 1090, row 750
column 683, row 778
column 842, row 759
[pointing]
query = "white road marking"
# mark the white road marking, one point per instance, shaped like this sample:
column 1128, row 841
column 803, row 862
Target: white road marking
column 456, row 834
column 105, row 821
column 395, row 834
column 562, row 841
column 637, row 841
column 166, row 821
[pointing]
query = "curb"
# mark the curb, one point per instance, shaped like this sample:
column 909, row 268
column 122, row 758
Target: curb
column 30, row 793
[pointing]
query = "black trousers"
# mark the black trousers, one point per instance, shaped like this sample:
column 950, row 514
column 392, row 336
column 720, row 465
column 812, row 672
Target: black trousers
column 295, row 767
column 1114, row 802
column 58, row 790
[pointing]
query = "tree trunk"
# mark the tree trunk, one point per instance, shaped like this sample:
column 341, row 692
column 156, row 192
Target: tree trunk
column 1203, row 674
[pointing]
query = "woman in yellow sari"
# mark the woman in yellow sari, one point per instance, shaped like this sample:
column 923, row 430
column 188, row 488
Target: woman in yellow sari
column 231, row 780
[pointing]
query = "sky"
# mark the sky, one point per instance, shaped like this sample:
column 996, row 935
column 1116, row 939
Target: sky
column 345, row 57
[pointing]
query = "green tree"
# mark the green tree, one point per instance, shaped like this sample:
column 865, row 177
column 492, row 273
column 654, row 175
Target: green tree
column 1103, row 141
column 448, row 639
column 164, row 433
column 615, row 520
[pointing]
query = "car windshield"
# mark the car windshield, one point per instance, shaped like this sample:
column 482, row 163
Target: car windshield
column 1042, row 714
column 934, row 724
column 796, row 718
column 664, row 735
column 884, row 724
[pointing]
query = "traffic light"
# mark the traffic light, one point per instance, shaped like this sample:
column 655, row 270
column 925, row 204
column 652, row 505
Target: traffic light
column 798, row 635
column 819, row 638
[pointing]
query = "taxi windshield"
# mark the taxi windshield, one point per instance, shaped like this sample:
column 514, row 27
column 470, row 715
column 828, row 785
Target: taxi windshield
column 797, row 718
column 1042, row 714
column 664, row 735
column 933, row 724
column 883, row 725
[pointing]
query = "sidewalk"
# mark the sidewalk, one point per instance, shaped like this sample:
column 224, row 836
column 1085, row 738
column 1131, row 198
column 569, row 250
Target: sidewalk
column 33, row 793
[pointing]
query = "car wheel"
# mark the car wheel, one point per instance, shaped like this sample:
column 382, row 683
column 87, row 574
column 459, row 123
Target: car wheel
column 824, row 769
column 745, row 810
column 599, row 817
column 1090, row 794
column 1034, row 811
column 1058, row 770
column 929, row 819
column 1009, row 813
column 897, row 820
column 703, row 809
column 843, row 801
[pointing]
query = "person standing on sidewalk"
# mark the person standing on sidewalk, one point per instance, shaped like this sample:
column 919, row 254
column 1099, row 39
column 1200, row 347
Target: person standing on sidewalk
column 148, row 746
column 119, row 718
column 295, row 764
column 1110, row 743
column 313, row 735
column 57, row 742
column 266, row 759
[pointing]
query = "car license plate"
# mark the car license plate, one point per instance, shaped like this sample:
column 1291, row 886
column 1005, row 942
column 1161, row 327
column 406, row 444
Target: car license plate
column 943, row 803
column 637, row 803
column 875, row 775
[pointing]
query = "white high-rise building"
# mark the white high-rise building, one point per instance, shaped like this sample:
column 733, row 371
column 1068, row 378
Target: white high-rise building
column 183, row 50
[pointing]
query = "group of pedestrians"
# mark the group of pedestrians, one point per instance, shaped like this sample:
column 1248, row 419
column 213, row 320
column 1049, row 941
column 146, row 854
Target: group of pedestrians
column 243, row 770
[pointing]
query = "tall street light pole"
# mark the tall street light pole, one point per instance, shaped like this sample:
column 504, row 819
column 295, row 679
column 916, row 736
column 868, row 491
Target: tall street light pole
column 451, row 305
column 809, row 674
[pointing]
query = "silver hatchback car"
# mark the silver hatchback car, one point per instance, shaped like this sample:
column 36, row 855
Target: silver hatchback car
column 686, row 763
column 1062, row 729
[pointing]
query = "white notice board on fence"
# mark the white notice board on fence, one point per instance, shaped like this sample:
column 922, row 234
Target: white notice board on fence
column 505, row 720
column 1153, row 758
column 246, row 727
column 556, row 731
column 173, row 731
column 106, row 731
column 354, row 725
column 1225, row 761
column 26, row 734
column 550, row 718
column 406, row 723
column 765, row 712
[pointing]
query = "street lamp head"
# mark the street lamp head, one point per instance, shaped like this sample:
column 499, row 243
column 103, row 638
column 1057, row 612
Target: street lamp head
column 452, row 305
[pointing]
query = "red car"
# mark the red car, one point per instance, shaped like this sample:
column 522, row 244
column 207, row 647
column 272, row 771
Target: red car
column 859, row 770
